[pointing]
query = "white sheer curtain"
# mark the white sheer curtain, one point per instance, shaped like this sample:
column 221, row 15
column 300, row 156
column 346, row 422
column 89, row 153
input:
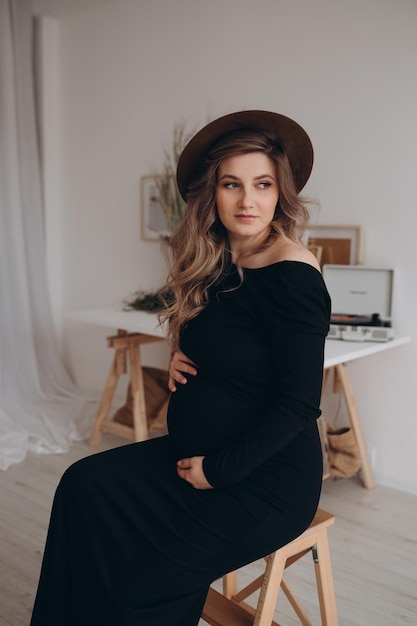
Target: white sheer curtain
column 39, row 405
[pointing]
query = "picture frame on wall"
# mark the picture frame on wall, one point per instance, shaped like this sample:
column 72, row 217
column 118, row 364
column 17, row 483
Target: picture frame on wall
column 337, row 245
column 154, row 225
column 316, row 250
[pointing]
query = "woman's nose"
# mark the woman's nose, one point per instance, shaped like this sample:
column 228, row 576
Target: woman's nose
column 246, row 199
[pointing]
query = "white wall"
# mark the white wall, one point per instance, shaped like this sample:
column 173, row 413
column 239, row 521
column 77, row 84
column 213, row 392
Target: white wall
column 130, row 69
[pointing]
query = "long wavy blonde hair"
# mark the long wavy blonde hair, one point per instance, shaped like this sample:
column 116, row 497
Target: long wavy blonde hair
column 199, row 252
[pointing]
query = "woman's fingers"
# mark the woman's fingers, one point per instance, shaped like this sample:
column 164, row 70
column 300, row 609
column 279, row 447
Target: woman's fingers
column 180, row 364
column 191, row 470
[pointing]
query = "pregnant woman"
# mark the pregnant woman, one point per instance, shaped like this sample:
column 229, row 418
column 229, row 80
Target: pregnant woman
column 137, row 534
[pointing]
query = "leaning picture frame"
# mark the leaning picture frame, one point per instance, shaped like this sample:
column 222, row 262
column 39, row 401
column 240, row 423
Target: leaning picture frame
column 154, row 226
column 338, row 245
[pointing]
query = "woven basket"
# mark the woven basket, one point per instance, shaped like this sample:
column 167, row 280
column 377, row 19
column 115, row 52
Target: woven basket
column 343, row 452
column 157, row 394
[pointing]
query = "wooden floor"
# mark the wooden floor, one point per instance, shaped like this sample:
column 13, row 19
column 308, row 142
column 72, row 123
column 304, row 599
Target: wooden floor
column 373, row 546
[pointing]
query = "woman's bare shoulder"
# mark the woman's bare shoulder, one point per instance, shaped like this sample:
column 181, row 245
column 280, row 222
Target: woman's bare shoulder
column 292, row 251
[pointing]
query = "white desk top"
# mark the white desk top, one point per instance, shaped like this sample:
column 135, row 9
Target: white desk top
column 336, row 351
column 133, row 321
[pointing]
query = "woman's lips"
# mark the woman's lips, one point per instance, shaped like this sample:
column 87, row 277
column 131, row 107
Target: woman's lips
column 245, row 218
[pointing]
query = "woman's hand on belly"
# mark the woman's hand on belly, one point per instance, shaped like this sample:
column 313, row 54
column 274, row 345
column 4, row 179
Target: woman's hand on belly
column 191, row 470
column 180, row 364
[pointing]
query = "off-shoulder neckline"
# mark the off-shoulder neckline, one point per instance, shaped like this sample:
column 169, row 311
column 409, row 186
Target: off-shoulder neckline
column 279, row 263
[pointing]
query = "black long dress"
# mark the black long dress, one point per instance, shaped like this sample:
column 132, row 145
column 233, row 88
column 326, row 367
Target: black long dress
column 129, row 542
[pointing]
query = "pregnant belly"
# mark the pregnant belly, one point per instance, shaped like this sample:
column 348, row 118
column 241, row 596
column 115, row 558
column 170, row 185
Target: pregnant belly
column 203, row 417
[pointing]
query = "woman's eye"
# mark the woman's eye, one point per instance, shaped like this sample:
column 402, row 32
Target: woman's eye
column 264, row 185
column 230, row 185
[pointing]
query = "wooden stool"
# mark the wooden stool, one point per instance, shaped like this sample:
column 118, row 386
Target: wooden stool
column 127, row 350
column 229, row 608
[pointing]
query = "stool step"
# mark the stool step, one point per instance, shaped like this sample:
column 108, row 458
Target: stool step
column 219, row 611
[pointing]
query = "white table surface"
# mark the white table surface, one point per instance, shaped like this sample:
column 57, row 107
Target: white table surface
column 336, row 350
column 132, row 321
column 340, row 351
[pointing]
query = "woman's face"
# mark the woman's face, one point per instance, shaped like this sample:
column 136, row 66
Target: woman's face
column 246, row 196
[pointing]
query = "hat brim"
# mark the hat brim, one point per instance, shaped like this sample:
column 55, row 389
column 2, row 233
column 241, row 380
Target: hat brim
column 292, row 137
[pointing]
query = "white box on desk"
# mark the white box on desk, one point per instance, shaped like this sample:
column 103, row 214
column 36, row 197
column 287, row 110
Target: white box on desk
column 357, row 290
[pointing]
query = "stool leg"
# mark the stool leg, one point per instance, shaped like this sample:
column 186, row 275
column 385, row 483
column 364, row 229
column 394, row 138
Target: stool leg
column 106, row 400
column 229, row 584
column 324, row 578
column 138, row 393
column 356, row 423
column 270, row 588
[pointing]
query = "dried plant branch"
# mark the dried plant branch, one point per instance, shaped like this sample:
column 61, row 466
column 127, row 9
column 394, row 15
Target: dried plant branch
column 171, row 201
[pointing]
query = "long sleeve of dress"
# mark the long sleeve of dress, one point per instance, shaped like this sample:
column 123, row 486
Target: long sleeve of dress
column 295, row 318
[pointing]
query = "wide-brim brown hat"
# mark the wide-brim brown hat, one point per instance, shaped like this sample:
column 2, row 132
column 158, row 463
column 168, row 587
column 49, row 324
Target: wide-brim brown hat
column 292, row 137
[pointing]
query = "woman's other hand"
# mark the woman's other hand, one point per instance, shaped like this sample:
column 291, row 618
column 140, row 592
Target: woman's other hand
column 191, row 470
column 180, row 364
